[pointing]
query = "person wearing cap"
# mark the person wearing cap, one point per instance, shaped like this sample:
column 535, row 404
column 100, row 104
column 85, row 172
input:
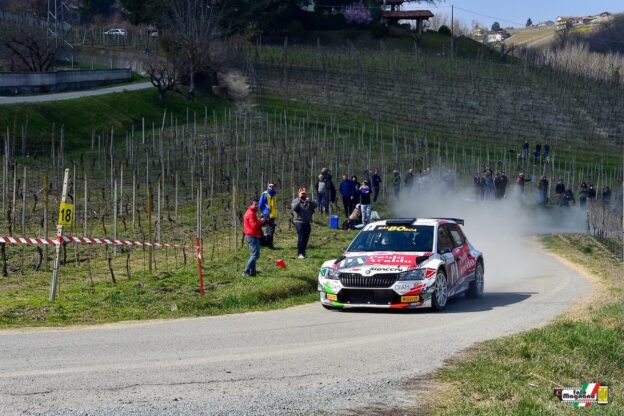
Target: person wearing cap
column 252, row 227
column 303, row 209
column 365, row 202
column 268, row 209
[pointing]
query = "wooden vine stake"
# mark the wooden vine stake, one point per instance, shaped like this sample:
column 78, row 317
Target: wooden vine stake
column 66, row 212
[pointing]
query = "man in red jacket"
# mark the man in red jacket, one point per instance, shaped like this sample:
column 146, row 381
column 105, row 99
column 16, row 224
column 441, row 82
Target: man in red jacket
column 252, row 227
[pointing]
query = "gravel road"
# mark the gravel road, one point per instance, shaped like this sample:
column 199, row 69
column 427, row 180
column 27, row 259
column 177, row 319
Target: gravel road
column 302, row 360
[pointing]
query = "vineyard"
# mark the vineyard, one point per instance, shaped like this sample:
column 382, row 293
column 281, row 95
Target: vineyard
column 172, row 178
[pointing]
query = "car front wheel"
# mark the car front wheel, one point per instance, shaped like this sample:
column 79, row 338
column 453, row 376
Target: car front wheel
column 440, row 292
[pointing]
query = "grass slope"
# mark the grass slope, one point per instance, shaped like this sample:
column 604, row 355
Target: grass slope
column 100, row 113
column 172, row 291
column 516, row 375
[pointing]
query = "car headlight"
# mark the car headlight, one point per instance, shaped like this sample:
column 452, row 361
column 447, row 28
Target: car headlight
column 414, row 274
column 332, row 274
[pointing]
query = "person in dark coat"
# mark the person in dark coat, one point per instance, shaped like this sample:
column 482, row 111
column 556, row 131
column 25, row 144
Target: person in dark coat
column 303, row 209
column 409, row 180
column 583, row 191
column 347, row 192
column 606, row 195
column 560, row 192
column 376, row 182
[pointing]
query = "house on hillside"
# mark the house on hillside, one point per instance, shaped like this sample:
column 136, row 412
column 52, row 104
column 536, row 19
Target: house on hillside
column 497, row 36
column 478, row 32
column 565, row 22
column 587, row 20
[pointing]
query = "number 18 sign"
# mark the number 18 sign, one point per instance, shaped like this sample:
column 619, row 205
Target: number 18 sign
column 66, row 214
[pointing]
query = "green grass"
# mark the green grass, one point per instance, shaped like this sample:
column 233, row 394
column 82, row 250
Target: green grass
column 172, row 291
column 100, row 113
column 516, row 375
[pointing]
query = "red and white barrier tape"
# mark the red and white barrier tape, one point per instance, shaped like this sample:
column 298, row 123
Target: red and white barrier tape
column 88, row 240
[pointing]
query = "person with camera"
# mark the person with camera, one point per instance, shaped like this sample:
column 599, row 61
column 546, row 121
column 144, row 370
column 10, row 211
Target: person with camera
column 303, row 209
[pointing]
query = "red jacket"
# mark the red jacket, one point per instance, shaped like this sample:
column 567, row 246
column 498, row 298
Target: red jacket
column 251, row 224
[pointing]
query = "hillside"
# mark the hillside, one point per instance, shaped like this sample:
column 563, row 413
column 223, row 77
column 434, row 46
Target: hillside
column 532, row 37
column 449, row 99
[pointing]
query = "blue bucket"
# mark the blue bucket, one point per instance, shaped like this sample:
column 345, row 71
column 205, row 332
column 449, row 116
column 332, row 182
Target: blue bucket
column 334, row 222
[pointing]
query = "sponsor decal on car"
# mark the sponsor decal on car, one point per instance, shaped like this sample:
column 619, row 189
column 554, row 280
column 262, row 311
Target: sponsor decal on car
column 392, row 259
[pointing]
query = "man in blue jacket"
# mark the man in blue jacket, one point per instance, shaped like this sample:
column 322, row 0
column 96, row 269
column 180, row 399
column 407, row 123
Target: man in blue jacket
column 347, row 191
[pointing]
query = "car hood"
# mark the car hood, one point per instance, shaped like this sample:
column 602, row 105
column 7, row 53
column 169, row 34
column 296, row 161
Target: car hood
column 380, row 262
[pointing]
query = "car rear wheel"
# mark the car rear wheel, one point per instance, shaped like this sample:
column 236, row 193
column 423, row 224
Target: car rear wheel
column 440, row 292
column 475, row 289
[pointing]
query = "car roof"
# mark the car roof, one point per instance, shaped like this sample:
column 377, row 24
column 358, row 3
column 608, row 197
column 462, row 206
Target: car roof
column 413, row 221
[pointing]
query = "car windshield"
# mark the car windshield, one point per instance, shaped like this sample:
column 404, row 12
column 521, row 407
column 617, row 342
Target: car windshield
column 409, row 238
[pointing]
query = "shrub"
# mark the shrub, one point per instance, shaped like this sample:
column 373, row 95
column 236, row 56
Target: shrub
column 444, row 30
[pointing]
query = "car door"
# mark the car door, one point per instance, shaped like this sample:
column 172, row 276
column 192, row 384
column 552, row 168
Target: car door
column 445, row 250
column 461, row 251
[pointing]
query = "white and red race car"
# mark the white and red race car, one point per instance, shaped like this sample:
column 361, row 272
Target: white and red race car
column 403, row 263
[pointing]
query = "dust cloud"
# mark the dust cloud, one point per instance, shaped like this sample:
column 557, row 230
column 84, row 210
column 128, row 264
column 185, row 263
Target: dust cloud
column 501, row 229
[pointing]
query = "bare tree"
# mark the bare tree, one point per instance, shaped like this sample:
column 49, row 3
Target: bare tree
column 162, row 74
column 191, row 29
column 27, row 49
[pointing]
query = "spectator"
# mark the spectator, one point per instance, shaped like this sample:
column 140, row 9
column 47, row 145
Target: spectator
column 376, row 182
column 356, row 188
column 347, row 191
column 536, row 156
column 546, row 151
column 356, row 217
column 396, row 184
column 538, row 149
column 303, row 210
column 498, row 186
column 606, row 195
column 478, row 183
column 268, row 211
column 326, row 174
column 568, row 198
column 591, row 193
column 488, row 184
column 409, row 180
column 583, row 191
column 560, row 192
column 504, row 180
column 252, row 227
column 331, row 188
column 322, row 194
column 365, row 202
column 542, row 191
column 525, row 150
column 449, row 181
column 521, row 180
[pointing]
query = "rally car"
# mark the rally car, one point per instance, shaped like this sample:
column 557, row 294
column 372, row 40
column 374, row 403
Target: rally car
column 403, row 263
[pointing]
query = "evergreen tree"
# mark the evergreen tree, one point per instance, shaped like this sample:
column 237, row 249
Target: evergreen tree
column 529, row 22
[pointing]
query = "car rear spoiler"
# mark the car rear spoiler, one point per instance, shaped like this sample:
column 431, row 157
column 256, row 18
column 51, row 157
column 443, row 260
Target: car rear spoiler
column 456, row 220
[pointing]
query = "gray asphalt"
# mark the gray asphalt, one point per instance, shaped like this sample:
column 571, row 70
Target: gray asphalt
column 74, row 94
column 302, row 360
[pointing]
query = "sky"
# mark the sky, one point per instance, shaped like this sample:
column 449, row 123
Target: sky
column 515, row 13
